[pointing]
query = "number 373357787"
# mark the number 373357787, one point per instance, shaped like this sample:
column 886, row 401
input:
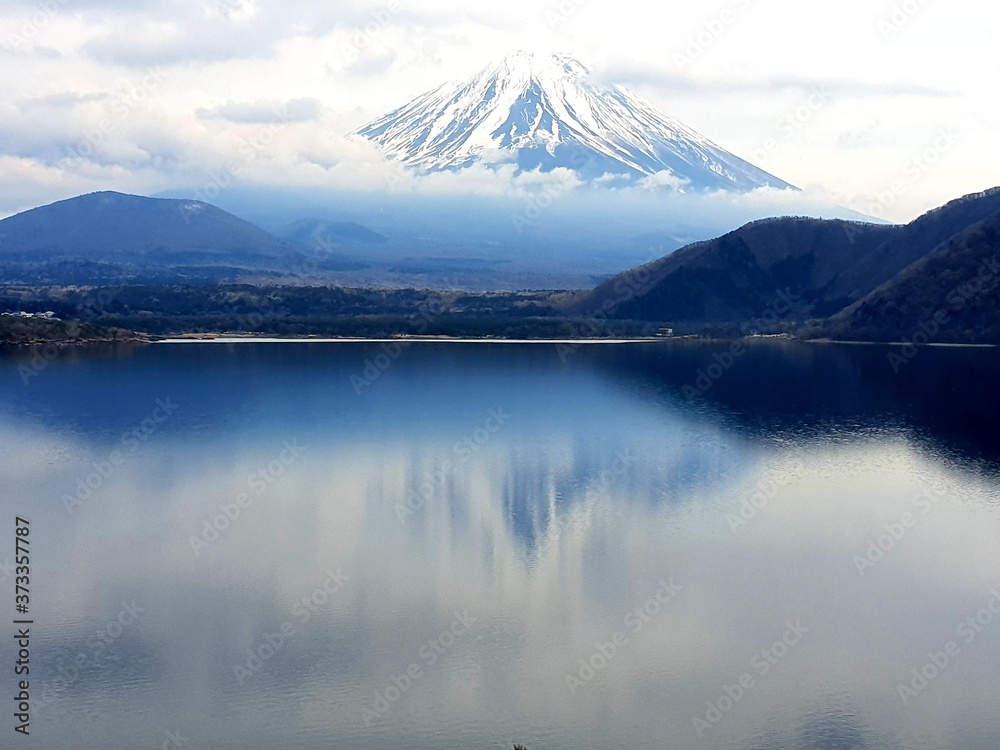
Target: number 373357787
column 23, row 562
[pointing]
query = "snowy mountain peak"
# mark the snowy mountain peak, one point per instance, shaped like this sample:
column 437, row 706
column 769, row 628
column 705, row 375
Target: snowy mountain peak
column 524, row 66
column 545, row 112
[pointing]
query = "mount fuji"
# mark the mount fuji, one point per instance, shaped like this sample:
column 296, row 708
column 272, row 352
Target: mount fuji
column 545, row 112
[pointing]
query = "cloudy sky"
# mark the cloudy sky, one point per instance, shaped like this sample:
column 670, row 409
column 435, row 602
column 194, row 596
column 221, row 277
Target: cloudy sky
column 888, row 107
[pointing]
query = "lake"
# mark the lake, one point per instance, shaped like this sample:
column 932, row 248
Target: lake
column 462, row 546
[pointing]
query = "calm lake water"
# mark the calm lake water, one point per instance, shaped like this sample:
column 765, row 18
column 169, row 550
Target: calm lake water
column 458, row 547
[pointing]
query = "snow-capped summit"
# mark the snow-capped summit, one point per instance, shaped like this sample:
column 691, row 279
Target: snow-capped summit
column 545, row 111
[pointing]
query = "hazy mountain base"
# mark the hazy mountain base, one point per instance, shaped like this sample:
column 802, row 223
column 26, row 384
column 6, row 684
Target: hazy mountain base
column 933, row 280
column 460, row 274
column 539, row 237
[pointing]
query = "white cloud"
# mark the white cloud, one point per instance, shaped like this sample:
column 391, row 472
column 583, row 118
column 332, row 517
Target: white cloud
column 663, row 179
column 264, row 111
column 345, row 63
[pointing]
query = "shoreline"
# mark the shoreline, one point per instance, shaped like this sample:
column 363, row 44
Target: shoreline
column 396, row 339
column 219, row 338
column 938, row 344
column 251, row 339
column 69, row 343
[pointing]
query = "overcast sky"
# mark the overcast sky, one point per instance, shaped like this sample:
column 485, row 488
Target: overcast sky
column 890, row 108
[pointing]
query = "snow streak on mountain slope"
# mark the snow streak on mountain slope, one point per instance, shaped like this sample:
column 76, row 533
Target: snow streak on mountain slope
column 544, row 112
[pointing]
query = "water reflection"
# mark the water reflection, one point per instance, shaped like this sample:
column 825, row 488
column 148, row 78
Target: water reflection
column 545, row 539
column 944, row 396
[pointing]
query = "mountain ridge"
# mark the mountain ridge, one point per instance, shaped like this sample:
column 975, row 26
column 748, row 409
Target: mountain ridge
column 951, row 294
column 108, row 230
column 828, row 267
